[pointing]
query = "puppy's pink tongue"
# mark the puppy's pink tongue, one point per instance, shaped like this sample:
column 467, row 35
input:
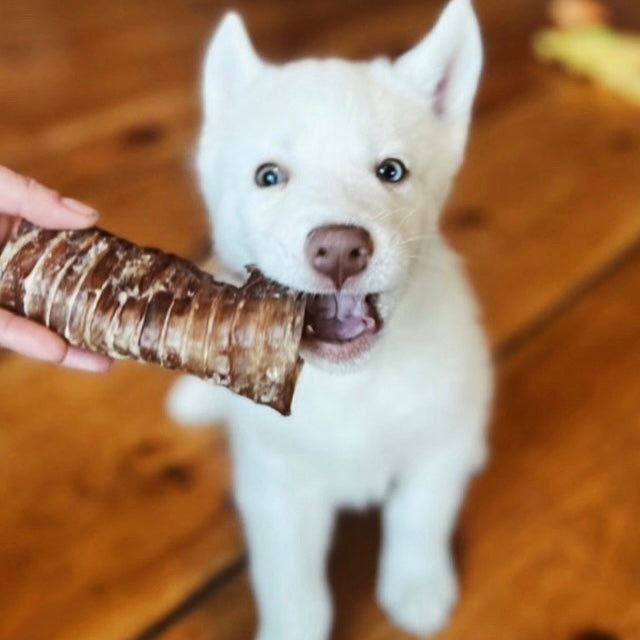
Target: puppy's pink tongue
column 334, row 330
column 337, row 306
column 338, row 317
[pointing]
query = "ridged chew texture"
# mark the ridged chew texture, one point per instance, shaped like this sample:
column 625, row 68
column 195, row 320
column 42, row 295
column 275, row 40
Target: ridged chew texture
column 108, row 295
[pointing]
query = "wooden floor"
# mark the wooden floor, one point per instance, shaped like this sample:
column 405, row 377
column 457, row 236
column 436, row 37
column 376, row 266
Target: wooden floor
column 117, row 525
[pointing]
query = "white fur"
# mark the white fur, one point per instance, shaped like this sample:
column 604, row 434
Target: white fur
column 405, row 426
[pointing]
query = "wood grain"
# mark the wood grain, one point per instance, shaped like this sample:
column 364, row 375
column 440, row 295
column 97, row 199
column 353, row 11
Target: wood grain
column 112, row 516
column 98, row 494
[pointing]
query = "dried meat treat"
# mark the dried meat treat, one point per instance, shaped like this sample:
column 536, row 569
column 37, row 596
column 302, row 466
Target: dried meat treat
column 108, row 295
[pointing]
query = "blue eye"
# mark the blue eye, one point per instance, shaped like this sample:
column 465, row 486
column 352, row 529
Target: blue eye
column 391, row 170
column 270, row 174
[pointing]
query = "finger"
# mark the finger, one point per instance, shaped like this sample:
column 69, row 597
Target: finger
column 26, row 198
column 86, row 361
column 30, row 339
column 35, row 341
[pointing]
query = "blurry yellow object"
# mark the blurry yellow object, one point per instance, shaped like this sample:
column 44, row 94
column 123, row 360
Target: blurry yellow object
column 574, row 14
column 600, row 53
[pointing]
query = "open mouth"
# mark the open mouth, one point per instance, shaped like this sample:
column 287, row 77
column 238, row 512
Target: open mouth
column 340, row 326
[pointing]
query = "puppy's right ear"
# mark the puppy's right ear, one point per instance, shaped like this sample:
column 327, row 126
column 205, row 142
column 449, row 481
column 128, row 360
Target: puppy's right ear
column 230, row 62
column 446, row 65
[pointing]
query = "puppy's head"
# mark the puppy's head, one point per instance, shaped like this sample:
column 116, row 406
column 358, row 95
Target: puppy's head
column 329, row 175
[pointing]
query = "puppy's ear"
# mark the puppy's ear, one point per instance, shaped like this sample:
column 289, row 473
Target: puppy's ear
column 446, row 65
column 230, row 62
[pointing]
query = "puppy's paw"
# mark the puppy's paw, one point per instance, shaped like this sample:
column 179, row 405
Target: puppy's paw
column 418, row 603
column 194, row 402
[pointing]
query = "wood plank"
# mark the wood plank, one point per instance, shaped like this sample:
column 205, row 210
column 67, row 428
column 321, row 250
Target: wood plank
column 547, row 195
column 103, row 105
column 108, row 511
column 548, row 540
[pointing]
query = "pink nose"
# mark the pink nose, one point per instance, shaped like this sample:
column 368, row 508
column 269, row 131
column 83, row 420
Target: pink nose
column 339, row 251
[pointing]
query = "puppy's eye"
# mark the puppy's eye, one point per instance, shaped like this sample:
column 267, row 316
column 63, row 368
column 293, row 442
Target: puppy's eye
column 391, row 170
column 270, row 174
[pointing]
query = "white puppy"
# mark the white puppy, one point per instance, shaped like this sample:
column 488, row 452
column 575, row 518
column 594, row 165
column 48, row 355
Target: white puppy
column 330, row 176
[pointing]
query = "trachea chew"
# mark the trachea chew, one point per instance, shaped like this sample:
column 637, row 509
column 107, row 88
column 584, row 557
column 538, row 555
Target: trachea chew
column 108, row 295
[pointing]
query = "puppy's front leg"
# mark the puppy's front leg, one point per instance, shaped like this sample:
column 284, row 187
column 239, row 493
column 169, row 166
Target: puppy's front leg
column 417, row 584
column 288, row 528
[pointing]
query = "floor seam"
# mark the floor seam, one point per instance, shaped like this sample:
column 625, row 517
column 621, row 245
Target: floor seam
column 583, row 288
column 193, row 600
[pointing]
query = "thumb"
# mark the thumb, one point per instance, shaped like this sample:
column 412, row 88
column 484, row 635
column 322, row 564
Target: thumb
column 25, row 198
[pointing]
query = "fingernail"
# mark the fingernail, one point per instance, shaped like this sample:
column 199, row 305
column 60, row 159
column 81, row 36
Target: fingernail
column 75, row 206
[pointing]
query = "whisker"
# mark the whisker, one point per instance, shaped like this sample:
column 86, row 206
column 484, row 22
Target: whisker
column 417, row 238
column 410, row 213
column 386, row 213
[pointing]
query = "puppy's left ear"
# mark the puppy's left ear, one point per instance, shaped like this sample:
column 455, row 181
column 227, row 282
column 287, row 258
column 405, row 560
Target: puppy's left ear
column 445, row 66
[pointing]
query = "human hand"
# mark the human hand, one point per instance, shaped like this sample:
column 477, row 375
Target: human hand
column 22, row 197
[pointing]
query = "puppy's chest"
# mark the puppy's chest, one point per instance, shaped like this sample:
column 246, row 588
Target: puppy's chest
column 362, row 476
column 358, row 454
